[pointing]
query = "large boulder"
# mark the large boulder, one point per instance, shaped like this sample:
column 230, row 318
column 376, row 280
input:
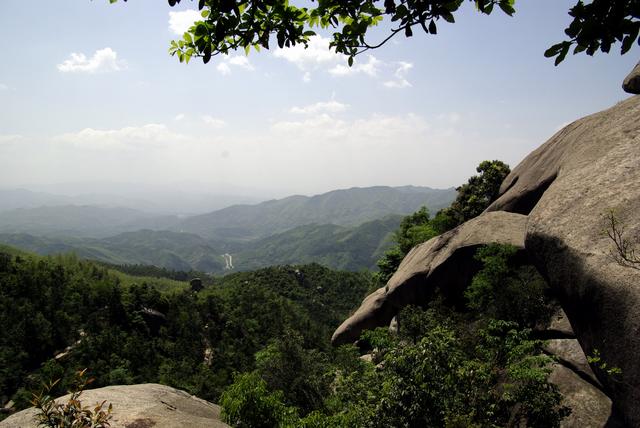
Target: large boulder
column 590, row 407
column 445, row 261
column 567, row 187
column 140, row 406
column 631, row 83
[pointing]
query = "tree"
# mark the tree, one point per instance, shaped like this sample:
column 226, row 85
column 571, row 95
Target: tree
column 244, row 24
column 474, row 196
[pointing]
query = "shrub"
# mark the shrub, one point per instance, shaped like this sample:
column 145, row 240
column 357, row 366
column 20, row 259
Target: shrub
column 71, row 414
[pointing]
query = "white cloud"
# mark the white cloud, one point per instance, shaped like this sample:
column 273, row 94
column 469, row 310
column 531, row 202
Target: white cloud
column 241, row 61
column 11, row 138
column 225, row 66
column 179, row 117
column 332, row 106
column 370, row 68
column 3, row 87
column 400, row 76
column 375, row 127
column 213, row 121
column 316, row 54
column 124, row 138
column 180, row 22
column 102, row 61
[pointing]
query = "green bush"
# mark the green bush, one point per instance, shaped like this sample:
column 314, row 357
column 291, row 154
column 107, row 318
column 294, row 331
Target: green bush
column 71, row 414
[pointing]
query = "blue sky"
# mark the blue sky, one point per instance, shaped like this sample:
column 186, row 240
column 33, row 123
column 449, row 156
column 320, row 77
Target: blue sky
column 89, row 94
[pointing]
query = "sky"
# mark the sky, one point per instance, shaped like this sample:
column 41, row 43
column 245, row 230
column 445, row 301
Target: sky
column 89, row 96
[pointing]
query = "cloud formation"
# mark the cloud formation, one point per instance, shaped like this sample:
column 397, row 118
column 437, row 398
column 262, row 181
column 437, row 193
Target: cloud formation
column 332, row 106
column 11, row 138
column 371, row 68
column 400, row 76
column 318, row 56
column 231, row 61
column 180, row 22
column 213, row 121
column 130, row 137
column 103, row 61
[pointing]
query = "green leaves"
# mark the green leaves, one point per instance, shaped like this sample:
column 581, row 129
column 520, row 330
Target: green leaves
column 230, row 25
column 559, row 51
column 599, row 25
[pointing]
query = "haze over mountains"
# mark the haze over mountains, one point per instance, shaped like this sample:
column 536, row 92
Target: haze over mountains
column 346, row 229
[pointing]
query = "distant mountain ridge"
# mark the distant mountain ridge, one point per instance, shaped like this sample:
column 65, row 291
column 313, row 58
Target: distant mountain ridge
column 345, row 207
column 338, row 247
column 344, row 229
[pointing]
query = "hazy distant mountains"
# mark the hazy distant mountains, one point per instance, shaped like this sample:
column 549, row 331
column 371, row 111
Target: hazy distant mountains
column 346, row 229
column 156, row 201
column 349, row 207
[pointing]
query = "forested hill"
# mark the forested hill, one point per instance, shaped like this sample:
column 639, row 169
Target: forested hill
column 338, row 247
column 138, row 330
column 347, row 207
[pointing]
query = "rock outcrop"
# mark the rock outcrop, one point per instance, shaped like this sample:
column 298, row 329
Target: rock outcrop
column 140, row 406
column 566, row 187
column 445, row 261
column 631, row 83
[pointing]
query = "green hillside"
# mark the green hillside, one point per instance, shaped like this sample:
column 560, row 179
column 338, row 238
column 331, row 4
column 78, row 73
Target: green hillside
column 339, row 247
column 348, row 207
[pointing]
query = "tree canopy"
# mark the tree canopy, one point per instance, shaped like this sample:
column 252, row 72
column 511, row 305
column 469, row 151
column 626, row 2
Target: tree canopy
column 229, row 25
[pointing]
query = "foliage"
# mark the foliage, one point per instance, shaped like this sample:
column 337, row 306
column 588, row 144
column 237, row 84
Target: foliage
column 248, row 403
column 595, row 359
column 625, row 250
column 503, row 290
column 444, row 367
column 71, row 414
column 472, row 199
column 598, row 25
column 474, row 196
column 300, row 373
column 228, row 25
column 414, row 229
column 61, row 314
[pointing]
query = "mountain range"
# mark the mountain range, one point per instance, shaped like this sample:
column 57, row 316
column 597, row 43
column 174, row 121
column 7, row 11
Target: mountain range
column 344, row 229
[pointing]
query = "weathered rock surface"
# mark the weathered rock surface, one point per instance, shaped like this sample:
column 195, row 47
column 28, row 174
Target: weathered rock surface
column 631, row 83
column 445, row 261
column 141, row 406
column 590, row 407
column 568, row 185
column 560, row 326
column 570, row 354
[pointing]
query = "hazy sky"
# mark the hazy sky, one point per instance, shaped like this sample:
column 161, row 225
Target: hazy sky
column 88, row 93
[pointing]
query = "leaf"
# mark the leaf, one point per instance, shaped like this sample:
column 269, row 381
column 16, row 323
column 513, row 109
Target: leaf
column 553, row 50
column 447, row 16
column 432, row 27
column 507, row 8
column 407, row 31
column 201, row 5
column 563, row 53
column 350, row 61
column 629, row 39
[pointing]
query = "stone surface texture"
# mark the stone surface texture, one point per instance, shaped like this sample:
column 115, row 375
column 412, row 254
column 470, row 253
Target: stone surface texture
column 590, row 407
column 569, row 184
column 141, row 406
column 631, row 83
column 445, row 261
